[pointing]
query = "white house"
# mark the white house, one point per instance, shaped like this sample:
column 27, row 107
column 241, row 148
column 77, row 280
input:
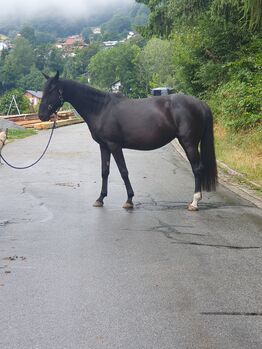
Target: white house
column 3, row 46
column 116, row 86
column 33, row 96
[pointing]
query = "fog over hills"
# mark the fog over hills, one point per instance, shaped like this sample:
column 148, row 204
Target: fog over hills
column 59, row 17
column 70, row 9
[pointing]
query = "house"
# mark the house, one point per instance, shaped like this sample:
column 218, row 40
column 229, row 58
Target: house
column 130, row 35
column 33, row 96
column 3, row 46
column 115, row 87
column 73, row 41
column 96, row 30
column 108, row 44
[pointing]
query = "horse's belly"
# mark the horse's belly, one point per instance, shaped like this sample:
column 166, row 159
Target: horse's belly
column 148, row 142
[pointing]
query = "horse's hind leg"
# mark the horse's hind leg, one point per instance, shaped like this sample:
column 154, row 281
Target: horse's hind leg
column 121, row 164
column 194, row 159
column 105, row 164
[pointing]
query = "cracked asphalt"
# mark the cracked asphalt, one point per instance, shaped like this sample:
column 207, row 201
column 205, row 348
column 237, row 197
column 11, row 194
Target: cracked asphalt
column 74, row 276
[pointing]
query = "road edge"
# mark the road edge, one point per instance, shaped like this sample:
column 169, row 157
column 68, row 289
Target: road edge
column 225, row 179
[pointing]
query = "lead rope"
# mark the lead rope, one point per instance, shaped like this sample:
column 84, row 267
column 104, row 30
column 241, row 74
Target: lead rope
column 34, row 163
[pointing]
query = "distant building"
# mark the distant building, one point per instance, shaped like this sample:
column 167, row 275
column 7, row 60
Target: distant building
column 130, row 35
column 33, row 96
column 116, row 86
column 161, row 91
column 3, row 46
column 110, row 43
column 71, row 42
column 96, row 30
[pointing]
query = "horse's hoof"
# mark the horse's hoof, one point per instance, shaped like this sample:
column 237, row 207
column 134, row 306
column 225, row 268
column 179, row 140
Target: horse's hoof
column 192, row 208
column 98, row 204
column 128, row 205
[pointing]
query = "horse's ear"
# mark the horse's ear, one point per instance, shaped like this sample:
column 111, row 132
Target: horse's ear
column 46, row 76
column 57, row 76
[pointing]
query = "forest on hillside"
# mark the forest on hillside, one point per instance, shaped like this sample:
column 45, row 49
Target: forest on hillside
column 33, row 47
column 217, row 53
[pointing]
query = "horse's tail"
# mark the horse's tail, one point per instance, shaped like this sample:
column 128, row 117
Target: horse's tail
column 207, row 154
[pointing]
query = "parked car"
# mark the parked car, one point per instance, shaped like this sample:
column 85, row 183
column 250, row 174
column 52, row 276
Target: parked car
column 161, row 91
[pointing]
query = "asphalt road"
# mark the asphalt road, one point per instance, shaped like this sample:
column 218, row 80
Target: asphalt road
column 157, row 277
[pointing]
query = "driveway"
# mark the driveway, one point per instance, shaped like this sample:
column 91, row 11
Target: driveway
column 77, row 277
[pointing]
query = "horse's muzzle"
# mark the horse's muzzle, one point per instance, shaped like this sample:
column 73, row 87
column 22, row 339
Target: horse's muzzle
column 44, row 115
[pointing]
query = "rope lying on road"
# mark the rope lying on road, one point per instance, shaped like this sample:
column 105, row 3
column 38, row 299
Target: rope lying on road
column 35, row 162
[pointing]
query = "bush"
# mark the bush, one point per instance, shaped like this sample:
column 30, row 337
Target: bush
column 240, row 104
column 238, row 101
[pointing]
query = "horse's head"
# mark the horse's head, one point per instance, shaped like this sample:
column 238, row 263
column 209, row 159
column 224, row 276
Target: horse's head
column 52, row 98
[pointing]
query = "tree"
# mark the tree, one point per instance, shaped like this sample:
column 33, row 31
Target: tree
column 86, row 33
column 28, row 33
column 156, row 63
column 43, row 38
column 34, row 80
column 116, row 28
column 17, row 64
column 139, row 15
column 165, row 15
column 71, row 68
column 248, row 13
column 41, row 56
column 76, row 67
column 217, row 53
column 118, row 63
column 54, row 60
column 160, row 22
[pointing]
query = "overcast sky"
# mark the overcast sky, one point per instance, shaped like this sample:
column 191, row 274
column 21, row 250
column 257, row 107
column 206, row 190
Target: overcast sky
column 70, row 8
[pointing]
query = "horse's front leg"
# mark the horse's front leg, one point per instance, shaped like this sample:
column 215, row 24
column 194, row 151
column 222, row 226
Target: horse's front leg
column 121, row 164
column 105, row 167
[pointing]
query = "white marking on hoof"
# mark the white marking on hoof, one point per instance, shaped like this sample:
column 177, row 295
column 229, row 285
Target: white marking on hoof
column 192, row 208
column 128, row 205
column 194, row 204
column 98, row 204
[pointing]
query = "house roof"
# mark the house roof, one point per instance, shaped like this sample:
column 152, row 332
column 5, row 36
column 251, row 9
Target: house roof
column 71, row 40
column 38, row 94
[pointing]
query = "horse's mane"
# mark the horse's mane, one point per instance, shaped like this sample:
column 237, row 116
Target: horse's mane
column 96, row 98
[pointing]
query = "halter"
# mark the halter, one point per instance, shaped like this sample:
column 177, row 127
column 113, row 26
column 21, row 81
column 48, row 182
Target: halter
column 61, row 101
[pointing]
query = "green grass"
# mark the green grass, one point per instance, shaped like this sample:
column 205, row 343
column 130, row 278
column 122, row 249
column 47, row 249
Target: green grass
column 241, row 151
column 19, row 134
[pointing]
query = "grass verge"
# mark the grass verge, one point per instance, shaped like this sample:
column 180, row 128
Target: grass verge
column 241, row 151
column 19, row 134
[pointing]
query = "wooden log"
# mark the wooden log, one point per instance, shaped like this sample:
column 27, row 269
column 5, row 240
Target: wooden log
column 48, row 124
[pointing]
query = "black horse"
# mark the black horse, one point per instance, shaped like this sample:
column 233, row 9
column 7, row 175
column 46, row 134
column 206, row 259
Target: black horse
column 117, row 122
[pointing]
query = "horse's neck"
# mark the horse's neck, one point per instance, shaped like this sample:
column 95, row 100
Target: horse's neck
column 87, row 101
